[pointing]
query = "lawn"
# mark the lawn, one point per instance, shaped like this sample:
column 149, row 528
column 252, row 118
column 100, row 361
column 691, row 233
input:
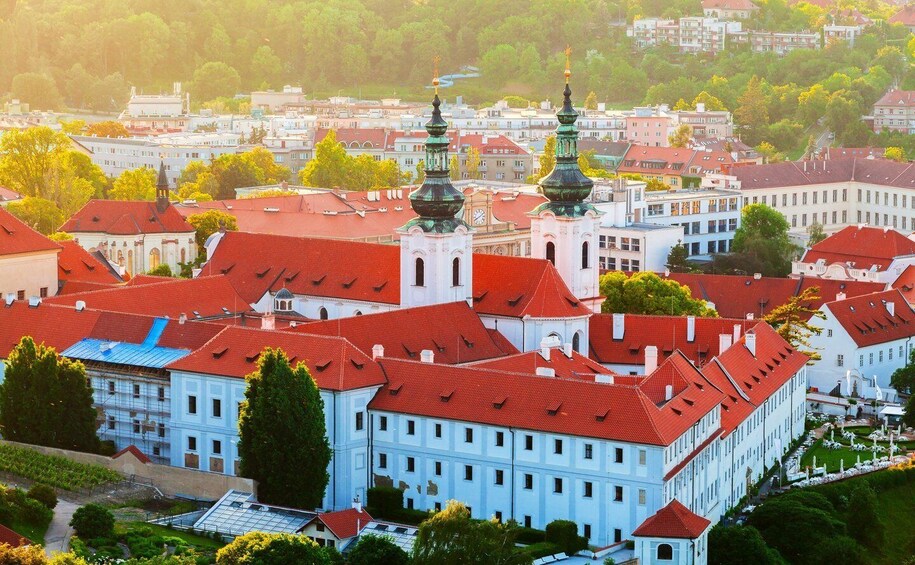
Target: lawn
column 832, row 457
column 899, row 521
column 34, row 533
column 191, row 539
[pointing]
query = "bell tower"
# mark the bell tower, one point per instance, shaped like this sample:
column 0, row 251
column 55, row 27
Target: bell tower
column 162, row 191
column 564, row 230
column 436, row 263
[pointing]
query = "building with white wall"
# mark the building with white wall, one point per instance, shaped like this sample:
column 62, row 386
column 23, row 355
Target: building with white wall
column 858, row 253
column 28, row 260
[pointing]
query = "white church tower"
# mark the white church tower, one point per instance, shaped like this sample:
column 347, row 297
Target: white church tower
column 565, row 229
column 436, row 265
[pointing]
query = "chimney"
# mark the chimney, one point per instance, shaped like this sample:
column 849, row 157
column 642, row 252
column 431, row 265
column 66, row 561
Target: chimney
column 750, row 340
column 668, row 392
column 724, row 343
column 545, row 372
column 80, row 305
column 357, row 505
column 427, row 356
column 619, row 326
column 750, row 315
column 651, row 359
column 690, row 329
column 891, row 308
column 567, row 349
column 736, row 333
column 182, row 318
column 757, row 276
column 268, row 321
column 377, row 351
column 840, row 296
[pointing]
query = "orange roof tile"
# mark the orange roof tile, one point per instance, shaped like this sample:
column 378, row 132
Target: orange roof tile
column 862, row 247
column 673, row 521
column 124, row 217
column 133, row 450
column 575, row 367
column 76, row 264
column 11, row 538
column 867, row 318
column 347, row 523
column 17, row 237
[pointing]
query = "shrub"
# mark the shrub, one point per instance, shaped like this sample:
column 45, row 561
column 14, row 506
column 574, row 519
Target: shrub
column 564, row 533
column 541, row 549
column 107, row 448
column 43, row 494
column 35, row 513
column 530, row 535
column 384, row 502
column 92, row 521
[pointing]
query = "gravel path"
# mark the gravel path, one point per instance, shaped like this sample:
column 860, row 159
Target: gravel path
column 57, row 539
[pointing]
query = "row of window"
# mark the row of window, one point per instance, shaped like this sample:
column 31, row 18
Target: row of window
column 840, row 359
column 609, row 263
column 625, row 243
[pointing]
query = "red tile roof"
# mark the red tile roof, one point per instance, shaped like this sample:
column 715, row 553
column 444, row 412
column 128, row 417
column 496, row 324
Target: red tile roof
column 673, row 521
column 567, row 406
column 363, row 138
column 371, row 273
column 8, row 195
column 642, row 159
column 906, row 17
column 76, row 264
column 905, row 283
column 858, row 152
column 345, row 524
column 861, row 247
column 736, row 296
column 75, row 287
column 789, row 173
column 121, row 217
column 334, row 362
column 667, row 333
column 11, row 538
column 453, row 332
column 133, row 450
column 867, row 319
column 55, row 326
column 514, row 207
column 202, row 297
column 575, row 367
column 17, row 237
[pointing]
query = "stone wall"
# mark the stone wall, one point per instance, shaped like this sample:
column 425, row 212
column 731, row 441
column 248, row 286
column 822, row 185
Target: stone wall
column 169, row 480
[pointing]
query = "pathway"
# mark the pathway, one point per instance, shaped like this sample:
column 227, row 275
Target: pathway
column 57, row 539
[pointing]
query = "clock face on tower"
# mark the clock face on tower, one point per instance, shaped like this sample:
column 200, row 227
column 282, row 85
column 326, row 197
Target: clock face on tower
column 479, row 217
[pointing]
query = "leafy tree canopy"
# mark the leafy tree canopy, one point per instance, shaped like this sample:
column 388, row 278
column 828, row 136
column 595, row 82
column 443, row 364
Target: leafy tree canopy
column 647, row 293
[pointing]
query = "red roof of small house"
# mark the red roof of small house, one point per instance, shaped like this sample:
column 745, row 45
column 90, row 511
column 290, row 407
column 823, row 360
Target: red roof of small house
column 905, row 284
column 673, row 521
column 11, row 538
column 857, row 152
column 371, row 273
column 345, row 524
column 575, row 366
column 635, row 414
column 656, row 160
column 356, row 138
column 861, row 247
column 55, row 326
column 76, row 264
column 905, row 16
column 16, row 237
column 135, row 451
column 203, row 297
column 7, row 195
column 334, row 362
column 867, row 318
column 667, row 333
column 453, row 332
column 728, row 5
column 126, row 217
column 735, row 296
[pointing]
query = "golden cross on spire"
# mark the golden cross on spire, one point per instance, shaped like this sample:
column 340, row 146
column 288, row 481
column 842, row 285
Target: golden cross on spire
column 568, row 62
column 435, row 61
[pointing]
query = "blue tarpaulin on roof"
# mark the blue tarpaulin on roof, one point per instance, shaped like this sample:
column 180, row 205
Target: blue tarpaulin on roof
column 146, row 354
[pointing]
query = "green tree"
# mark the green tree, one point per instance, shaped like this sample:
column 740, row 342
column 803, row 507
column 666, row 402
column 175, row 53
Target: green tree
column 454, row 168
column 38, row 213
column 792, row 320
column 895, row 153
column 420, row 172
column 863, row 522
column 215, row 79
column 162, row 270
column 653, row 185
column 752, row 112
column 108, row 128
column 548, row 158
column 591, row 101
column 678, row 259
column 815, row 234
column 266, row 67
column 375, row 550
column 770, row 153
column 282, row 438
column 712, row 104
column 908, row 418
column 72, row 127
column 681, row 136
column 903, row 378
column 473, row 163
column 135, row 184
column 209, row 222
column 92, row 521
column 38, row 90
column 892, row 60
column 647, row 293
column 46, row 400
column 763, row 235
column 450, row 537
column 328, row 168
column 739, row 544
column 795, row 528
column 841, row 550
column 28, row 158
column 271, row 549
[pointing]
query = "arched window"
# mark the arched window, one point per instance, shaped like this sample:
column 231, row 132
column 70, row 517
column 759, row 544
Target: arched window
column 322, row 313
column 420, row 278
column 154, row 258
column 585, row 255
column 665, row 552
column 576, row 342
column 551, row 252
column 456, row 271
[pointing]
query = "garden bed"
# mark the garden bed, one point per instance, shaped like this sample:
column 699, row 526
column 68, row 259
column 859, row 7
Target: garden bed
column 141, row 540
column 51, row 470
